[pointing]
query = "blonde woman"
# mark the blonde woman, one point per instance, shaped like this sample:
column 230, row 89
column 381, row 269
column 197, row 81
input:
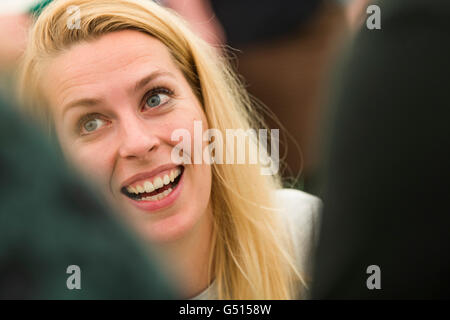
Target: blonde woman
column 113, row 86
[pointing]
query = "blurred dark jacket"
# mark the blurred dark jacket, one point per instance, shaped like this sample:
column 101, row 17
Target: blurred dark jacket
column 251, row 21
column 387, row 198
column 50, row 221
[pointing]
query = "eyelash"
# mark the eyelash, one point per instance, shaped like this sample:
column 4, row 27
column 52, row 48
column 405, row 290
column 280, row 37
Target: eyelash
column 86, row 118
column 154, row 91
column 93, row 116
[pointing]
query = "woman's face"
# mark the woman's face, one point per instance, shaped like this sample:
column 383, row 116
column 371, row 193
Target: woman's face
column 115, row 102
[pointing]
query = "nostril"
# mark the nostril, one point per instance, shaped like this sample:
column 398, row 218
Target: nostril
column 136, row 139
column 136, row 150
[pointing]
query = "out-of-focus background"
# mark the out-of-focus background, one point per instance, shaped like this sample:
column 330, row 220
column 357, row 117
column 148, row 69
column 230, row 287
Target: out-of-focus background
column 15, row 6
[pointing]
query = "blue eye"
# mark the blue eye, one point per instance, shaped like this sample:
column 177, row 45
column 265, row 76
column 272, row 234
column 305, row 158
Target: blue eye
column 156, row 100
column 94, row 124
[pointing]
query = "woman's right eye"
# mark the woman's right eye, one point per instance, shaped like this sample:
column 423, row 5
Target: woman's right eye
column 92, row 125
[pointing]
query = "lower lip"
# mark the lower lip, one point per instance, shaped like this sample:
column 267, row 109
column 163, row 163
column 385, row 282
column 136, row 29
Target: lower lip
column 152, row 206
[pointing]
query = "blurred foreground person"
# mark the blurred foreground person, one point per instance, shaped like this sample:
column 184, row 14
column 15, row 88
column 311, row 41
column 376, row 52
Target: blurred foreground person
column 386, row 220
column 50, row 224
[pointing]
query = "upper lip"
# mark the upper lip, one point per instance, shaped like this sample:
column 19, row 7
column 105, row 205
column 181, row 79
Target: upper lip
column 149, row 174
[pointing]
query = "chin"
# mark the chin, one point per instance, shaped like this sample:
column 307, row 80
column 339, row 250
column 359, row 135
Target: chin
column 168, row 228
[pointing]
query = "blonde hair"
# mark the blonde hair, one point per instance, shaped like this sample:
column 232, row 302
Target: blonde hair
column 252, row 258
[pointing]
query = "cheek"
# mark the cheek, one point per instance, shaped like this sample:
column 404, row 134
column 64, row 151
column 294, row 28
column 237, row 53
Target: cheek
column 201, row 174
column 190, row 118
column 205, row 181
column 93, row 161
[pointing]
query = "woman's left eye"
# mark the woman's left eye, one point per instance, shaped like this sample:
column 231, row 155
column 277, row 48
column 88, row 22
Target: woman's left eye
column 155, row 100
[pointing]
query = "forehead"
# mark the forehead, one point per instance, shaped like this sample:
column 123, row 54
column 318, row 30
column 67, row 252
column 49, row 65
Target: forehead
column 113, row 58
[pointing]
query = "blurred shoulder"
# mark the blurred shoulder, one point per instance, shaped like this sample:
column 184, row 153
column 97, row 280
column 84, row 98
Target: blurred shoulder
column 300, row 212
column 298, row 205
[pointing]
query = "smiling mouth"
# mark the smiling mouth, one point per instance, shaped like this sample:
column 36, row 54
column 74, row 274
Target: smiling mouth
column 156, row 188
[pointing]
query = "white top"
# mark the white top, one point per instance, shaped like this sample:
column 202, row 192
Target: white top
column 301, row 213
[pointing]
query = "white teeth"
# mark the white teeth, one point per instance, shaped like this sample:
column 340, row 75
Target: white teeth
column 148, row 186
column 167, row 192
column 174, row 174
column 166, row 179
column 158, row 196
column 158, row 183
column 177, row 172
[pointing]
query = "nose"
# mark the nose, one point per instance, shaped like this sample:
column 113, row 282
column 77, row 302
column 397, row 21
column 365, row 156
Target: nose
column 137, row 139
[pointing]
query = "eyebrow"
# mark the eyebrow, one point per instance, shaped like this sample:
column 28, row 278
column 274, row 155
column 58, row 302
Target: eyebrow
column 90, row 102
column 156, row 74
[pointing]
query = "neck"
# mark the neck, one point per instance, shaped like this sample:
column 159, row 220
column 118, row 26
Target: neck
column 188, row 257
